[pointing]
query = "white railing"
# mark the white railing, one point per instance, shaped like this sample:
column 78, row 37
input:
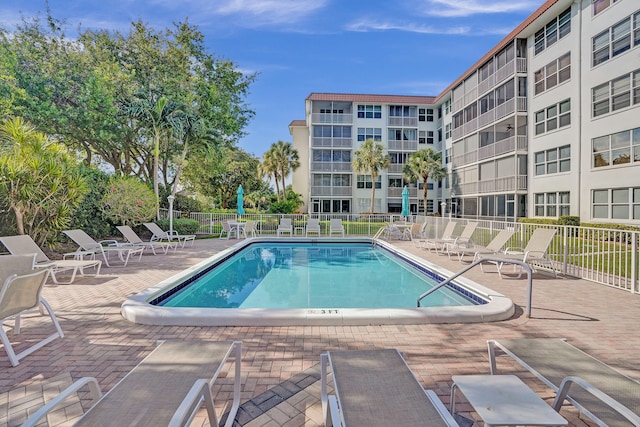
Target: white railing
column 331, row 142
column 319, row 190
column 411, row 145
column 402, row 121
column 331, row 166
column 332, row 118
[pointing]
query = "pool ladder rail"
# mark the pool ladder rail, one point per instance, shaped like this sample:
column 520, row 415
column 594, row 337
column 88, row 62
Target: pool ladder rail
column 524, row 265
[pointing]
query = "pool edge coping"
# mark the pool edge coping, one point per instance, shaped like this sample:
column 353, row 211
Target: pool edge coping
column 137, row 309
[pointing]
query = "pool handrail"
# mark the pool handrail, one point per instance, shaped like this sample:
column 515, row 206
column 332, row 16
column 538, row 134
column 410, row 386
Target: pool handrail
column 523, row 265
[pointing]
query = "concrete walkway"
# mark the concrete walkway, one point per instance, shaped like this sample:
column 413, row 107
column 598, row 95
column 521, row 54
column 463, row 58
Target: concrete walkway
column 280, row 364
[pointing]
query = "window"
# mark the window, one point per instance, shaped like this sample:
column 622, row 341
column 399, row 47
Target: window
column 553, row 74
column 429, row 114
column 447, row 130
column 364, row 181
column 551, row 204
column 600, row 5
column 616, row 203
column 422, row 138
column 369, row 111
column 616, row 149
column 447, row 106
column 553, row 117
column 403, row 111
column 331, row 155
column 369, row 133
column 402, row 134
column 615, row 40
column 552, row 161
column 553, row 31
column 429, row 137
column 331, row 131
column 395, row 182
column 399, row 158
column 616, row 94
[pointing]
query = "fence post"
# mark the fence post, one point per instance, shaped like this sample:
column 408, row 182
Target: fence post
column 565, row 252
column 634, row 262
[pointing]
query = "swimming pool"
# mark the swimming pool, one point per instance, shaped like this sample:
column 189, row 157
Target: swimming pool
column 272, row 270
column 312, row 275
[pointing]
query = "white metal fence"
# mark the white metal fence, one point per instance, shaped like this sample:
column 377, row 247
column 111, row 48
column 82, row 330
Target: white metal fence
column 607, row 256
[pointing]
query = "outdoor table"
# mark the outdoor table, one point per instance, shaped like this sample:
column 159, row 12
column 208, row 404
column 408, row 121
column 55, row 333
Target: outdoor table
column 238, row 227
column 504, row 400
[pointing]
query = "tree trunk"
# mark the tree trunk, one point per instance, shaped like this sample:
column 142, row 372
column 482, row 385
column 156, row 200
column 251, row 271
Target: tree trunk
column 19, row 220
column 373, row 191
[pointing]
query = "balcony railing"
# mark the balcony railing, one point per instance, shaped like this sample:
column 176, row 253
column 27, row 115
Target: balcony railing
column 397, row 192
column 331, row 191
column 331, row 167
column 466, row 158
column 510, row 183
column 332, row 118
column 332, row 142
column 403, row 145
column 402, row 121
column 396, row 168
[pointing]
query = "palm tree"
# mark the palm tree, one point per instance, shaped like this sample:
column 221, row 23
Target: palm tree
column 157, row 116
column 269, row 167
column 281, row 160
column 371, row 158
column 425, row 164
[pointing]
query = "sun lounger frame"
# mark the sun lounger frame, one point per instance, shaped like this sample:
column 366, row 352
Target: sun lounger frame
column 592, row 397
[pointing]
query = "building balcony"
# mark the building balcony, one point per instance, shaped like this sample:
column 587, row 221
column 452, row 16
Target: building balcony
column 332, row 118
column 465, row 159
column 402, row 121
column 504, row 184
column 503, row 146
column 331, row 167
column 332, row 142
column 395, row 168
column 403, row 145
column 397, row 192
column 331, row 191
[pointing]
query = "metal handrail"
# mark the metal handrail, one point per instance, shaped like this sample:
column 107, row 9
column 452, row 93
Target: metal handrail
column 524, row 265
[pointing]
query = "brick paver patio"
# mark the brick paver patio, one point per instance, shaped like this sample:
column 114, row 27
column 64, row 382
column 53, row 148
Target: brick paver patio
column 280, row 364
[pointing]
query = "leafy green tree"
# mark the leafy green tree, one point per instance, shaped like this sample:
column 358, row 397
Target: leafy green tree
column 88, row 215
column 424, row 164
column 269, row 167
column 40, row 181
column 128, row 201
column 371, row 159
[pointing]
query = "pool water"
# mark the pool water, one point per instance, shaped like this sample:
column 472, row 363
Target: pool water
column 313, row 275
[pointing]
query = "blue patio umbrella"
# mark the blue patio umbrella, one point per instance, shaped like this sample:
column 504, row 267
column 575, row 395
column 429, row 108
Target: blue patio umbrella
column 405, row 202
column 240, row 201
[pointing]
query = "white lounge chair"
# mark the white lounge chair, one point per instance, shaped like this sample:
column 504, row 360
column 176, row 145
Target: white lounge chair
column 166, row 389
column 284, row 227
column 446, row 237
column 607, row 396
column 535, row 253
column 376, row 388
column 24, row 245
column 88, row 247
column 335, row 226
column 159, row 235
column 464, row 238
column 494, row 247
column 21, row 292
column 313, row 226
column 135, row 240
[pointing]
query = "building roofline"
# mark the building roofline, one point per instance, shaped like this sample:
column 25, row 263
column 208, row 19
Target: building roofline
column 354, row 97
column 512, row 35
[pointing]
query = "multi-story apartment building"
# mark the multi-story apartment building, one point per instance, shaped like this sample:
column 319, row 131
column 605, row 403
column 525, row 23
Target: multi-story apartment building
column 547, row 123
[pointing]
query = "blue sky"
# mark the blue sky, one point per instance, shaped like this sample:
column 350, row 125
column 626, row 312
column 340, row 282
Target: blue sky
column 395, row 47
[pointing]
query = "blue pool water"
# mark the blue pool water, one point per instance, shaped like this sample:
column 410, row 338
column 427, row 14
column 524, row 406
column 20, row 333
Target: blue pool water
column 312, row 275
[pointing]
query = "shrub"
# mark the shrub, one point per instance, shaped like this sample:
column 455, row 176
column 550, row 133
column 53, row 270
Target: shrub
column 88, row 216
column 128, row 201
column 180, row 225
column 569, row 220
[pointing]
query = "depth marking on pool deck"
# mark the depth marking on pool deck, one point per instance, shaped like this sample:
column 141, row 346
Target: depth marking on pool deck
column 323, row 311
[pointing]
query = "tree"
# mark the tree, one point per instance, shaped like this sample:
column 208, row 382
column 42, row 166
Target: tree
column 371, row 159
column 40, row 181
column 269, row 167
column 424, row 164
column 286, row 161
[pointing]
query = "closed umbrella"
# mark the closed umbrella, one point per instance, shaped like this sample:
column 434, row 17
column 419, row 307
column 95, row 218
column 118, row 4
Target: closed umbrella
column 240, row 201
column 405, row 202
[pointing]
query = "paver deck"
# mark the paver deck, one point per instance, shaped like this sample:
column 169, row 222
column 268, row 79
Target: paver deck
column 280, row 384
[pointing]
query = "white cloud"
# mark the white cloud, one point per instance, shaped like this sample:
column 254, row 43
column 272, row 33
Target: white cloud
column 450, row 9
column 256, row 13
column 369, row 25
